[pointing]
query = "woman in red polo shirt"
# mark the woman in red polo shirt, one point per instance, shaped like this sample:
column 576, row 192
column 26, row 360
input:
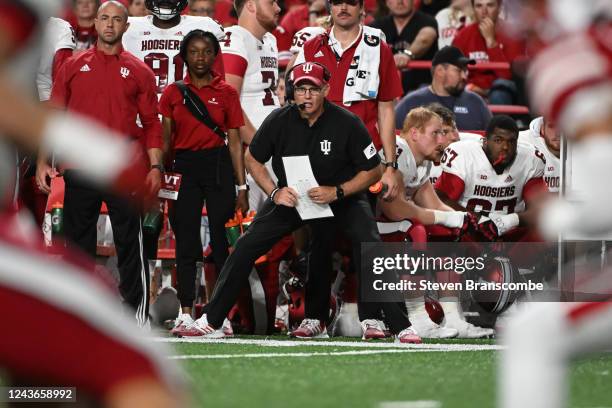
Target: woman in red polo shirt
column 209, row 164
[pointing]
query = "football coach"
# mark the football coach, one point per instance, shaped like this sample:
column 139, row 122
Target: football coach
column 344, row 163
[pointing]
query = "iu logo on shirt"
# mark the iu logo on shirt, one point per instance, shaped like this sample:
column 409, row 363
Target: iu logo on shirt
column 124, row 72
column 325, row 146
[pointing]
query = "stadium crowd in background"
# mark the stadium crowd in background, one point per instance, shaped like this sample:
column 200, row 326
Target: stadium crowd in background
column 448, row 87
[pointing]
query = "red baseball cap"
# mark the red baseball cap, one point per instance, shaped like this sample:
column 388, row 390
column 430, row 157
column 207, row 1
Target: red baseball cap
column 308, row 71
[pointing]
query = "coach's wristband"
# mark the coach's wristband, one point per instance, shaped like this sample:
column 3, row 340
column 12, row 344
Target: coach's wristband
column 273, row 193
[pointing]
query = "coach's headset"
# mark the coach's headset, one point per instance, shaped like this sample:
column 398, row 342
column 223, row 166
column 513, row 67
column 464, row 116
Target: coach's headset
column 290, row 87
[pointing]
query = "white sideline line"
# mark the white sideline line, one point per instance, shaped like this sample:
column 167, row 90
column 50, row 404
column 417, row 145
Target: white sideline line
column 313, row 354
column 354, row 344
column 410, row 404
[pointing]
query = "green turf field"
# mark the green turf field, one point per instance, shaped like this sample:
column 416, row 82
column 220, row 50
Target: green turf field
column 344, row 373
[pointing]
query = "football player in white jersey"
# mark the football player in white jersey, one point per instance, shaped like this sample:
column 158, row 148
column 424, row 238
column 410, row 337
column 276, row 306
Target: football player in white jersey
column 58, row 45
column 495, row 179
column 155, row 39
column 302, row 36
column 419, row 146
column 543, row 134
column 451, row 133
column 250, row 56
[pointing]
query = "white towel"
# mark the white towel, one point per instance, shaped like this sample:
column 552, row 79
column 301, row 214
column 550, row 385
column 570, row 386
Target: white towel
column 363, row 71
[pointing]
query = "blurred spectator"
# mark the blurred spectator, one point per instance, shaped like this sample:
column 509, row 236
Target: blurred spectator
column 225, row 13
column 370, row 11
column 202, row 8
column 411, row 34
column 206, row 164
column 288, row 5
column 452, row 19
column 449, row 68
column 486, row 41
column 125, row 89
column 432, row 7
column 299, row 17
column 137, row 8
column 83, row 23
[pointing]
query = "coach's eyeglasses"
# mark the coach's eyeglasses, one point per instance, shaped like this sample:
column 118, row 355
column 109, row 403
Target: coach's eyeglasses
column 300, row 90
column 349, row 2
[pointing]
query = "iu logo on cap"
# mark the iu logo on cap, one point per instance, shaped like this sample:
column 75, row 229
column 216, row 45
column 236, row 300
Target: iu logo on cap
column 326, row 147
column 307, row 67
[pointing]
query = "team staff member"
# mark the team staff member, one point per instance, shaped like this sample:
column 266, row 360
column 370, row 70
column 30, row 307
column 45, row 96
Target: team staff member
column 203, row 160
column 344, row 162
column 358, row 58
column 113, row 87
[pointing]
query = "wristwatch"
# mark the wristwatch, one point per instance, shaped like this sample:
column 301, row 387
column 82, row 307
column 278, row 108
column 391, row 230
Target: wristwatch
column 159, row 167
column 392, row 164
column 339, row 192
column 408, row 53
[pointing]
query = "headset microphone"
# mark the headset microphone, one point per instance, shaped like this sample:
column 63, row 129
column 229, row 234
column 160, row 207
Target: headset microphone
column 301, row 106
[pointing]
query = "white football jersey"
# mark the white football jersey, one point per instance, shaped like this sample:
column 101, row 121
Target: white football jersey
column 58, row 35
column 484, row 189
column 304, row 35
column 159, row 48
column 414, row 175
column 436, row 168
column 23, row 65
column 257, row 96
column 553, row 164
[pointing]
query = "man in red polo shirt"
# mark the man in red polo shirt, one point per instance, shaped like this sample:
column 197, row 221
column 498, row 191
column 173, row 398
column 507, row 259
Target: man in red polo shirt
column 348, row 50
column 486, row 41
column 113, row 87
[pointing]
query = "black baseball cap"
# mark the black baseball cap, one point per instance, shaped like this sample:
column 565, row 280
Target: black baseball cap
column 451, row 55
